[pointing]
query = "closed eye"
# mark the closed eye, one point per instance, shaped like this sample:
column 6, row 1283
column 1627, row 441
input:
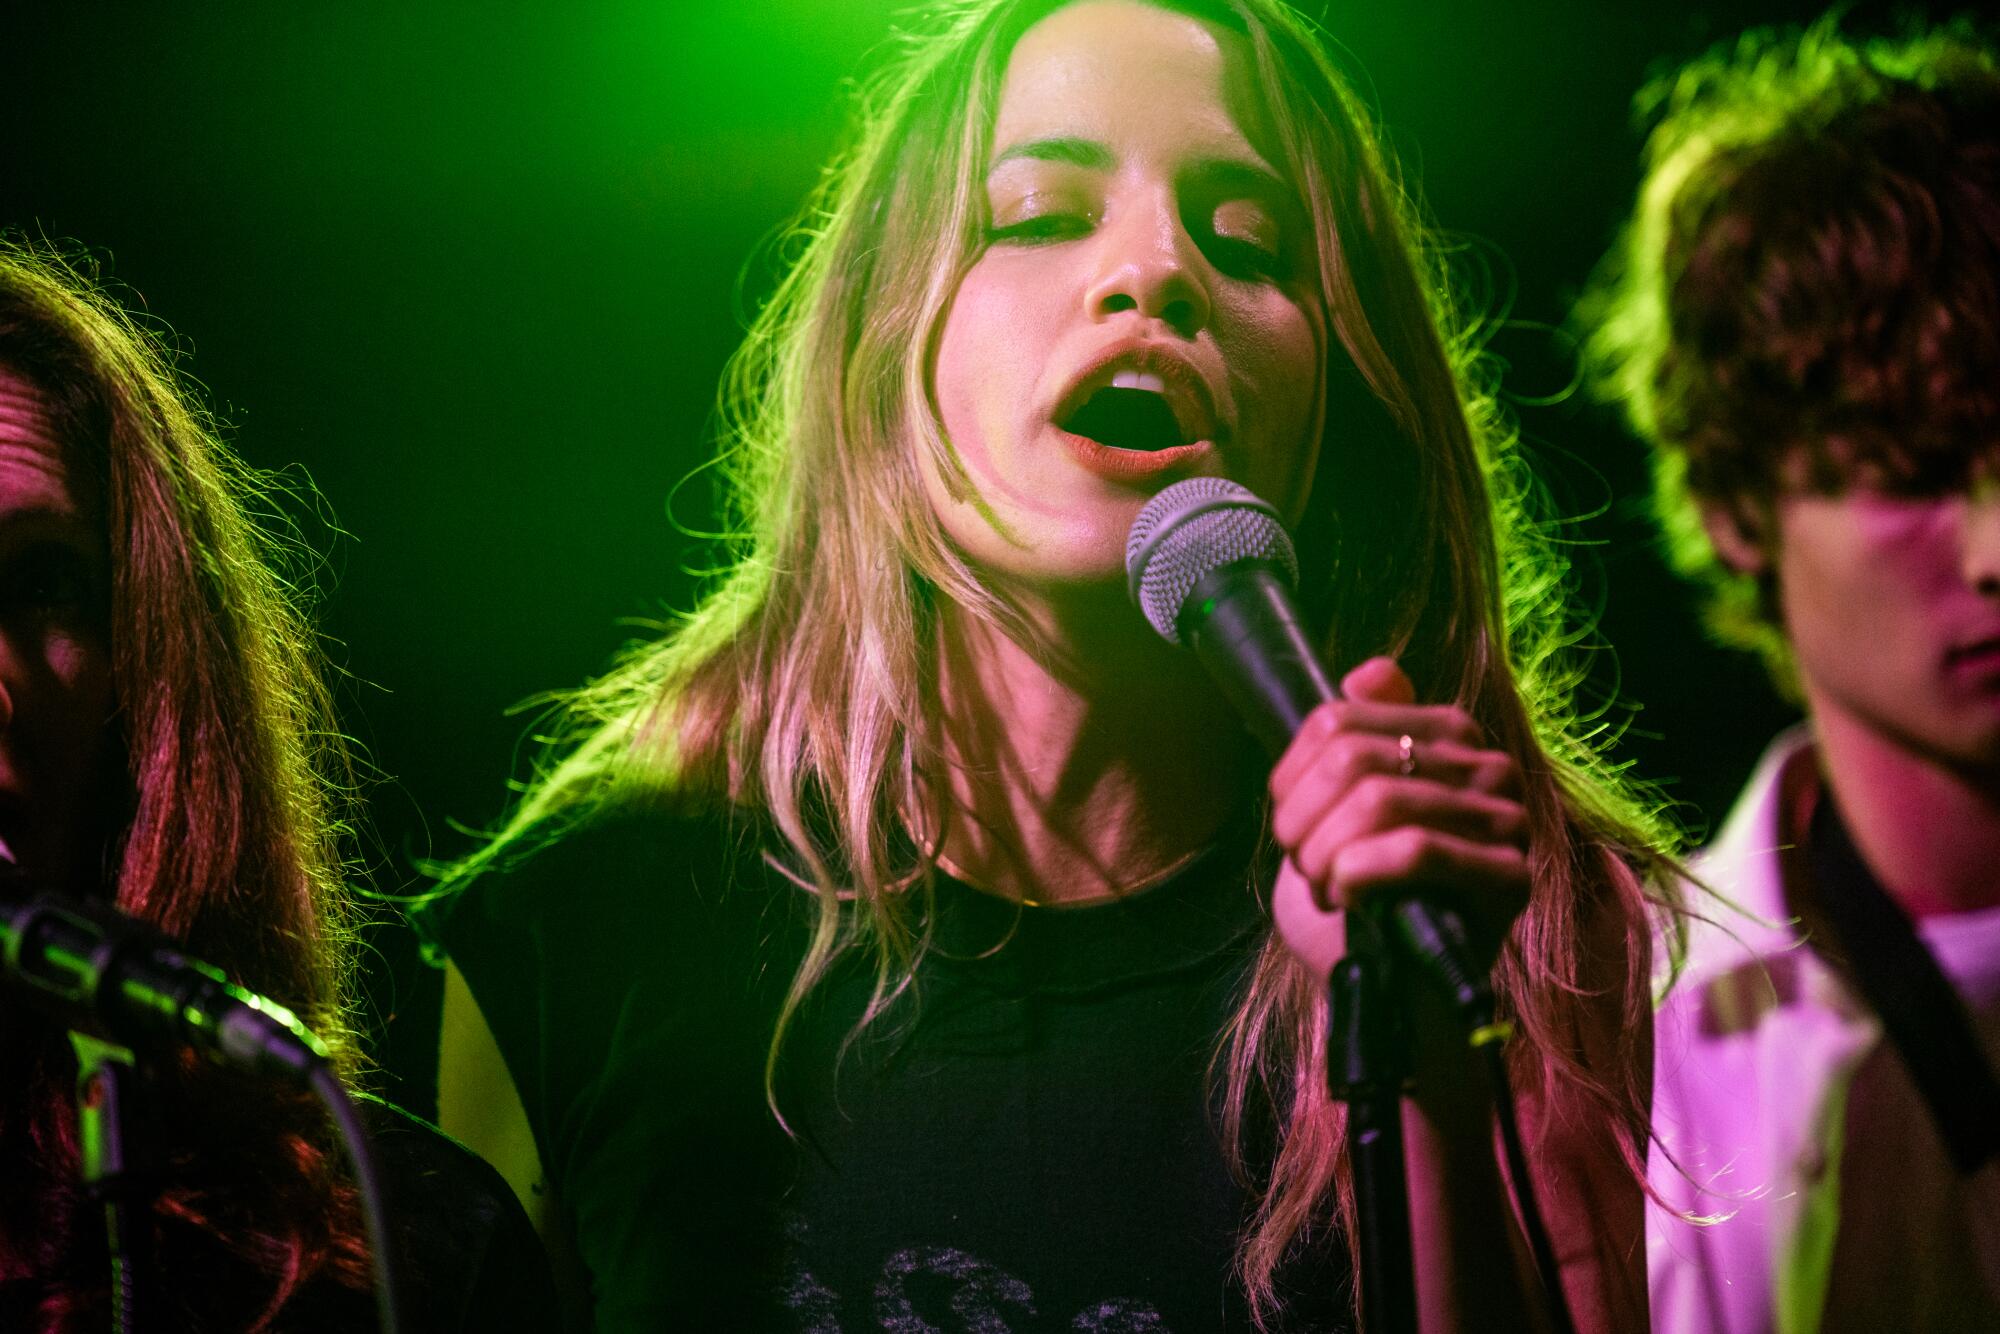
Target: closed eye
column 1245, row 259
column 52, row 580
column 1042, row 227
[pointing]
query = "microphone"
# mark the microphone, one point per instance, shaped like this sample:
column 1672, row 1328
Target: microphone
column 102, row 970
column 1211, row 567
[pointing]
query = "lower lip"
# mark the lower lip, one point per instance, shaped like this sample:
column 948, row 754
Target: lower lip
column 1132, row 465
column 1981, row 664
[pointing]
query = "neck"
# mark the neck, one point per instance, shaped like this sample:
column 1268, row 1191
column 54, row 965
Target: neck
column 1086, row 765
column 1928, row 830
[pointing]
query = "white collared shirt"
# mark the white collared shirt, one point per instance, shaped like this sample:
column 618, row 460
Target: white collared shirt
column 1754, row 1050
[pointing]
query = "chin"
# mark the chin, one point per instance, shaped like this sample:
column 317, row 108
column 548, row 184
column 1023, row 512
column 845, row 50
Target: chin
column 1980, row 751
column 1962, row 739
column 1083, row 555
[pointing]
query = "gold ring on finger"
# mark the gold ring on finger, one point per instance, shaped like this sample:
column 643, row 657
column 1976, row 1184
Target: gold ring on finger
column 1406, row 746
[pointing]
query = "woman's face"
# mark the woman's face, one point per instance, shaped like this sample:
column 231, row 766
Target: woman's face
column 56, row 693
column 1147, row 307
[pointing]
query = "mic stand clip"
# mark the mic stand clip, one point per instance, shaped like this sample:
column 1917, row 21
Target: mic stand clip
column 113, row 1169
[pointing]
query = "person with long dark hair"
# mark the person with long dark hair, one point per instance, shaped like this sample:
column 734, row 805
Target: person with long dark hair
column 911, row 937
column 167, row 749
column 1803, row 321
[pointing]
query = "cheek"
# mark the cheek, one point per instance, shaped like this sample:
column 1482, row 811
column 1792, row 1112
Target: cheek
column 69, row 695
column 77, row 661
column 1817, row 596
column 967, row 409
column 990, row 351
column 1279, row 356
column 1849, row 576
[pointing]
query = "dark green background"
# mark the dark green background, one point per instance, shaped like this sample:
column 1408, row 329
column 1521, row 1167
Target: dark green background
column 476, row 268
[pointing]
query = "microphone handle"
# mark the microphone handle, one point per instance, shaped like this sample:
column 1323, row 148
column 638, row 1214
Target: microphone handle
column 1243, row 624
column 98, row 966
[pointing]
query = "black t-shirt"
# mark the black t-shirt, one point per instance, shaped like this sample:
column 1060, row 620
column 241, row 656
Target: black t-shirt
column 1027, row 1141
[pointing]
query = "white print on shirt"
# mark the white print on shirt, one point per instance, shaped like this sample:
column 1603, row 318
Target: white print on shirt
column 983, row 1299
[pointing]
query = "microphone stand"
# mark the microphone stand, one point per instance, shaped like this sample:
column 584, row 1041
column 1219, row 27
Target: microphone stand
column 1211, row 566
column 1367, row 1061
column 72, row 956
column 114, row 1174
column 1368, row 1057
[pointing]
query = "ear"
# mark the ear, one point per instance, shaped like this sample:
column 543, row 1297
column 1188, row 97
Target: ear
column 1737, row 536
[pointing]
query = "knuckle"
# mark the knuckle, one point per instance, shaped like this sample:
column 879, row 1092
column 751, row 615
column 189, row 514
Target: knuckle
column 1494, row 773
column 1506, row 868
column 1460, row 725
column 1375, row 800
column 1346, row 876
column 1410, row 851
column 1294, row 764
column 1347, row 762
column 1315, row 860
column 1279, row 784
column 1286, row 824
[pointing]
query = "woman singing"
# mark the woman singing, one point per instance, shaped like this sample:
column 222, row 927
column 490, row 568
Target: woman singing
column 896, row 943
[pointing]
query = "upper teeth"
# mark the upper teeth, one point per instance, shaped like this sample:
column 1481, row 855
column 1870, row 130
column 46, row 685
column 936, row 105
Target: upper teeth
column 1139, row 380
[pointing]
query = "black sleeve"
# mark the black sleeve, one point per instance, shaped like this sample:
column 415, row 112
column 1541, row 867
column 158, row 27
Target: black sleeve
column 629, row 971
column 582, row 945
column 470, row 1259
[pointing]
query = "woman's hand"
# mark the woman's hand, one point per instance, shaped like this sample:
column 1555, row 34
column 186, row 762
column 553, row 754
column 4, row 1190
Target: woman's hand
column 1359, row 809
column 1355, row 819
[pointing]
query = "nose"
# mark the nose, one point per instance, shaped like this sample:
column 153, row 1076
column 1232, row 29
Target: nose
column 1147, row 263
column 1981, row 540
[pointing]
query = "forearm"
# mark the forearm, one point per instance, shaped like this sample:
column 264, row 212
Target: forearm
column 1473, row 1273
column 1474, row 1265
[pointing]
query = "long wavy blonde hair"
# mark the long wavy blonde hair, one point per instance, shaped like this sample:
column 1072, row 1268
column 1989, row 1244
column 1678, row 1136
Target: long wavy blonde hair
column 803, row 685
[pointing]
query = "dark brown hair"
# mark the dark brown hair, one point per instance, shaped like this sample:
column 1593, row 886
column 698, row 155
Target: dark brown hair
column 223, row 830
column 1807, row 295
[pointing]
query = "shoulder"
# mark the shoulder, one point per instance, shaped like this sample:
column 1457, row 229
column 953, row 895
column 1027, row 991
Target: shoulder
column 580, row 938
column 1755, row 1027
column 470, row 1257
column 640, row 864
column 426, row 1167
column 1742, row 857
column 467, row 1257
column 1737, row 911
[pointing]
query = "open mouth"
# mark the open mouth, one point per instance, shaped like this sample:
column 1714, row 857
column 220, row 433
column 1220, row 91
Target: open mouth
column 1132, row 416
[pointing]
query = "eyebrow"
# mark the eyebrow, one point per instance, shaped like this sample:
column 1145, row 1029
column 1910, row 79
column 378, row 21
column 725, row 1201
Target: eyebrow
column 1077, row 152
column 1250, row 178
column 39, row 521
column 1232, row 173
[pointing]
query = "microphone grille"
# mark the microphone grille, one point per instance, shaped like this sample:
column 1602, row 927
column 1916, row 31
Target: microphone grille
column 1190, row 529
